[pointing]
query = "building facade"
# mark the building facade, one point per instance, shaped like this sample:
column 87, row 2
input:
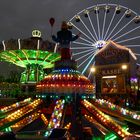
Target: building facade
column 115, row 67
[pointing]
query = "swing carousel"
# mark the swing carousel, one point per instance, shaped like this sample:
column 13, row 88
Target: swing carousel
column 33, row 54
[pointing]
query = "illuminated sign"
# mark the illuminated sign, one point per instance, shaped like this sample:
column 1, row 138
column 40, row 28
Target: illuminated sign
column 110, row 72
column 112, row 56
column 112, row 52
column 36, row 33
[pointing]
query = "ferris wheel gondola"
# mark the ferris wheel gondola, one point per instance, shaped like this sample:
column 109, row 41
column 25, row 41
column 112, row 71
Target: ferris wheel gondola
column 100, row 23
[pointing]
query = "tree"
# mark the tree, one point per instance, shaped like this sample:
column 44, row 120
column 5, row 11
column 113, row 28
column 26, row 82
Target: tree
column 14, row 77
column 2, row 78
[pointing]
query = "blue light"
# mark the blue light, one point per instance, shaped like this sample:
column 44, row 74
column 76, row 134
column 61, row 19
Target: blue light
column 54, row 120
column 99, row 44
column 127, row 104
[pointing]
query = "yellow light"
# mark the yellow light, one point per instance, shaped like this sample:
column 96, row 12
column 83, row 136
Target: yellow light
column 112, row 76
column 124, row 67
column 93, row 69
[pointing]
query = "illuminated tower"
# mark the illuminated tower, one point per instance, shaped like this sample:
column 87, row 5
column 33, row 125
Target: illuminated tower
column 65, row 79
column 67, row 82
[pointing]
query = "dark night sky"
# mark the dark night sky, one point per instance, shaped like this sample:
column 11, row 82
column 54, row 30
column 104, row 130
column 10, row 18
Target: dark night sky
column 19, row 17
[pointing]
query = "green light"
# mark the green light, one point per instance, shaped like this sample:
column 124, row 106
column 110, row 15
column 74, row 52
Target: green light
column 43, row 96
column 33, row 60
column 83, row 97
column 125, row 127
column 32, row 74
column 63, row 101
column 8, row 129
column 47, row 133
column 110, row 136
column 96, row 138
column 68, row 97
column 56, row 112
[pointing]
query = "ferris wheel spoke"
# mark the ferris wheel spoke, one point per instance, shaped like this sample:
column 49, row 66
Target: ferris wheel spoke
column 137, row 54
column 122, row 28
column 93, row 27
column 83, row 33
column 89, row 62
column 81, row 48
column 136, row 37
column 85, row 40
column 88, row 58
column 115, row 26
column 87, row 29
column 82, row 52
column 127, row 33
column 80, row 43
column 110, row 25
column 98, row 25
column 84, row 55
column 89, row 74
column 132, row 46
column 104, row 25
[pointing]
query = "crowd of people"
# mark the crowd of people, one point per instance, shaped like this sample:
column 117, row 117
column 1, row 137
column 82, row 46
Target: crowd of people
column 128, row 101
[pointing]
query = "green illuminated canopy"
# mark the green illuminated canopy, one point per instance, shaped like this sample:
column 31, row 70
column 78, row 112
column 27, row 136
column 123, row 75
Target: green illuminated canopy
column 33, row 54
column 23, row 52
column 24, row 57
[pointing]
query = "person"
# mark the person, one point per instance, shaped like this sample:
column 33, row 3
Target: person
column 64, row 38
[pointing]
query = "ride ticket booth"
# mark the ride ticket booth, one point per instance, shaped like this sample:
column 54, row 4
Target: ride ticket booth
column 115, row 65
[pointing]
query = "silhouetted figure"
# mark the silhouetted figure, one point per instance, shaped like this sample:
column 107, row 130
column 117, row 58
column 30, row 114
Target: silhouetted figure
column 64, row 37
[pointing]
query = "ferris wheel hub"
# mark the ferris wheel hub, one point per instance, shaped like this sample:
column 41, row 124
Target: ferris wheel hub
column 99, row 44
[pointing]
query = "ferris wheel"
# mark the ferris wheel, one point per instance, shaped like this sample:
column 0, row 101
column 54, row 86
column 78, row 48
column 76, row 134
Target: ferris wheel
column 100, row 23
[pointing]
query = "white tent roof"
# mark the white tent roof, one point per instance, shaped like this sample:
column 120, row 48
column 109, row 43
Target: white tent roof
column 115, row 45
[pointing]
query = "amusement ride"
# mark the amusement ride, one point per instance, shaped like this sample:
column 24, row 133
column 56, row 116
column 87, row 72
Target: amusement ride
column 33, row 54
column 99, row 24
column 65, row 101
